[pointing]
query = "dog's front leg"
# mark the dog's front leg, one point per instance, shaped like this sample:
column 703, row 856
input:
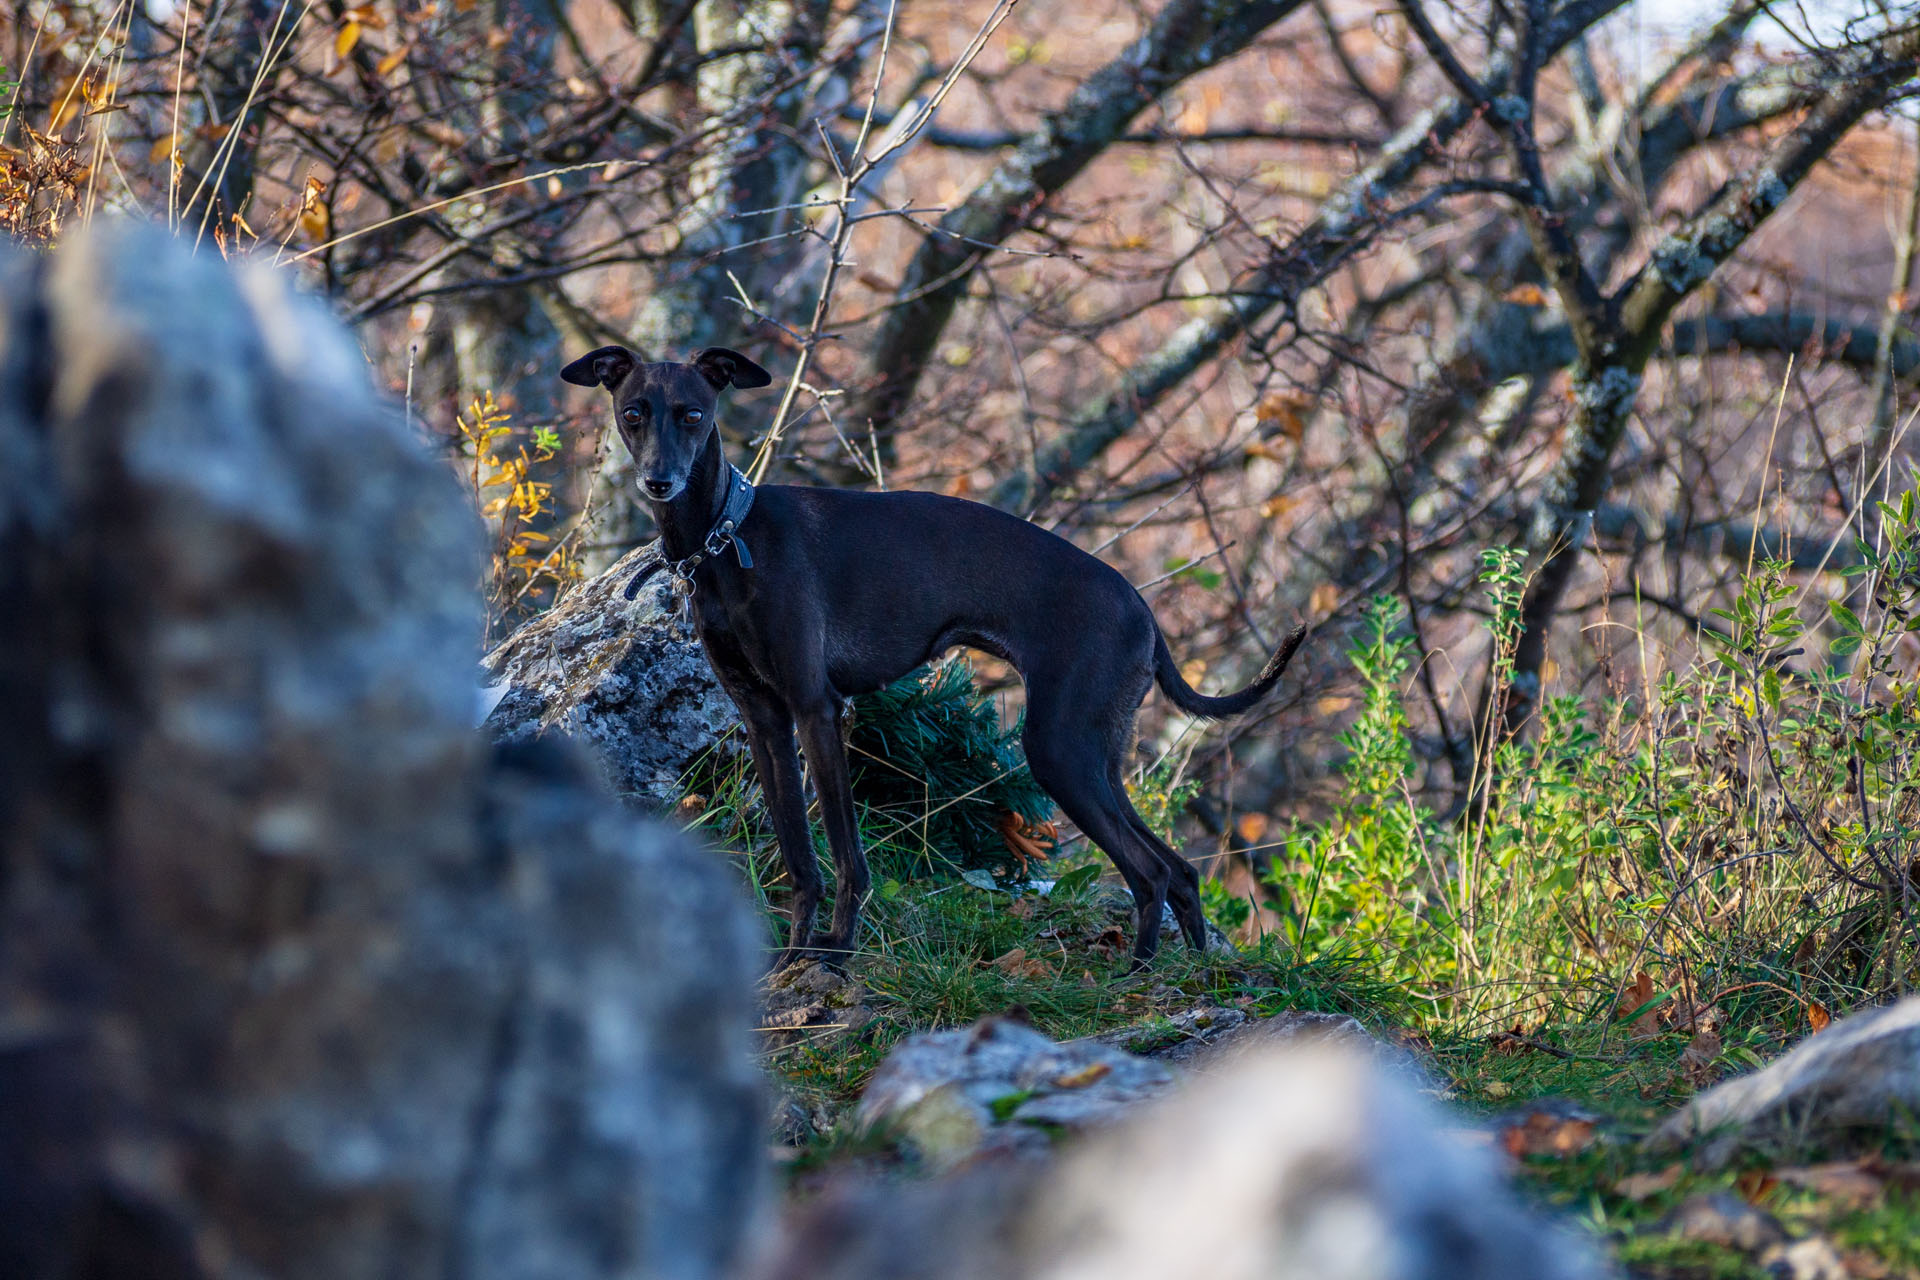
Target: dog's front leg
column 770, row 734
column 821, row 735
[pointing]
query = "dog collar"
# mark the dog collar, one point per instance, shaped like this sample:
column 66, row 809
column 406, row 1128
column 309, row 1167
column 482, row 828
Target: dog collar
column 725, row 532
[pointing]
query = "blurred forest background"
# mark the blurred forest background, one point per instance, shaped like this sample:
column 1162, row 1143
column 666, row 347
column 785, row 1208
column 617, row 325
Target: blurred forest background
column 1506, row 341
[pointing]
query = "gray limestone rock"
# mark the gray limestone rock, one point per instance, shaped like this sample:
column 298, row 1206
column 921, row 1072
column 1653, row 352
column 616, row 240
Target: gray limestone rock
column 616, row 675
column 1851, row 1082
column 1301, row 1162
column 298, row 976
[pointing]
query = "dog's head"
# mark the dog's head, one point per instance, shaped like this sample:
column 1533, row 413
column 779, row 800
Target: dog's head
column 665, row 412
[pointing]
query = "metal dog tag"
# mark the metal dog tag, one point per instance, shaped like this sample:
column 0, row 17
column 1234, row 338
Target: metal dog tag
column 682, row 589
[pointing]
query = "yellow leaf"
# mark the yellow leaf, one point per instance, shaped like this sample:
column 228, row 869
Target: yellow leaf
column 1278, row 505
column 385, row 66
column 1325, row 598
column 1084, row 1076
column 1283, row 409
column 66, row 105
column 1526, row 295
column 1251, row 826
column 164, row 147
column 349, row 36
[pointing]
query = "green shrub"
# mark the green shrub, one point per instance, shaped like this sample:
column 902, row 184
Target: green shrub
column 937, row 773
column 1746, row 829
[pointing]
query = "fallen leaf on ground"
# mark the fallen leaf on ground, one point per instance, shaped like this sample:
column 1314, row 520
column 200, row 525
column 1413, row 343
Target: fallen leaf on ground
column 1754, row 1184
column 1700, row 1062
column 1017, row 964
column 1644, row 1186
column 1637, row 1002
column 1084, row 1076
column 1541, row 1134
column 1849, row 1184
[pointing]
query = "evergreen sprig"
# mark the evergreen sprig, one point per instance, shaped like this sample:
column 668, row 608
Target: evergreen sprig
column 933, row 763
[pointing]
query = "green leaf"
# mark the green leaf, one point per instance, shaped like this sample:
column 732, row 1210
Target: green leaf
column 1770, row 688
column 1076, row 880
column 1846, row 617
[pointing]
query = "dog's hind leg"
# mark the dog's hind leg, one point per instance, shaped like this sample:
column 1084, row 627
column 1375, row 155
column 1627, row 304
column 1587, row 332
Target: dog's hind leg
column 1070, row 747
column 1183, row 882
column 770, row 734
column 822, row 737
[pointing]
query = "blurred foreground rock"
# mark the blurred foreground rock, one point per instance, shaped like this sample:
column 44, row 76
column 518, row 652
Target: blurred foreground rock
column 1850, row 1085
column 297, row 978
column 614, row 674
column 1210, row 1035
column 1288, row 1163
column 1000, row 1087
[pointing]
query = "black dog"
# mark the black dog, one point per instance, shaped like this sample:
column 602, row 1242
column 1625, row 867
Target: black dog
column 804, row 597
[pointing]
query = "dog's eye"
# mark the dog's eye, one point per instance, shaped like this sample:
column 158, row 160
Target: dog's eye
column 631, row 413
column 694, row 415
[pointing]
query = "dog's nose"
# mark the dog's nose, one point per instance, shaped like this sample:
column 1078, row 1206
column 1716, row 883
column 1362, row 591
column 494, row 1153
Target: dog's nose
column 657, row 489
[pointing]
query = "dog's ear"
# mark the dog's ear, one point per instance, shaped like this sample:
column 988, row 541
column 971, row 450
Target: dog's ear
column 724, row 368
column 606, row 367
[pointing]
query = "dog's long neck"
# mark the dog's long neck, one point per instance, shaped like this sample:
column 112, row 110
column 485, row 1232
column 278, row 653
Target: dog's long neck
column 687, row 519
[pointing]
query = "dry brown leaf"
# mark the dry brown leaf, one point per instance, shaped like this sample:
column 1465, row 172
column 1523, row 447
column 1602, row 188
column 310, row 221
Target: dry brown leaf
column 1754, row 1184
column 1250, row 827
column 67, row 101
column 1637, row 995
column 392, row 59
column 1642, row 1186
column 313, row 214
column 690, row 807
column 1700, row 1060
column 1285, row 411
column 1817, row 1016
column 1526, row 295
column 164, row 147
column 1084, row 1076
column 1324, row 599
column 1017, row 964
column 1278, row 505
column 1849, row 1184
column 1542, row 1134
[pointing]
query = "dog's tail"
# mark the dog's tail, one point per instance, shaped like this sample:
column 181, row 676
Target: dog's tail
column 1193, row 702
